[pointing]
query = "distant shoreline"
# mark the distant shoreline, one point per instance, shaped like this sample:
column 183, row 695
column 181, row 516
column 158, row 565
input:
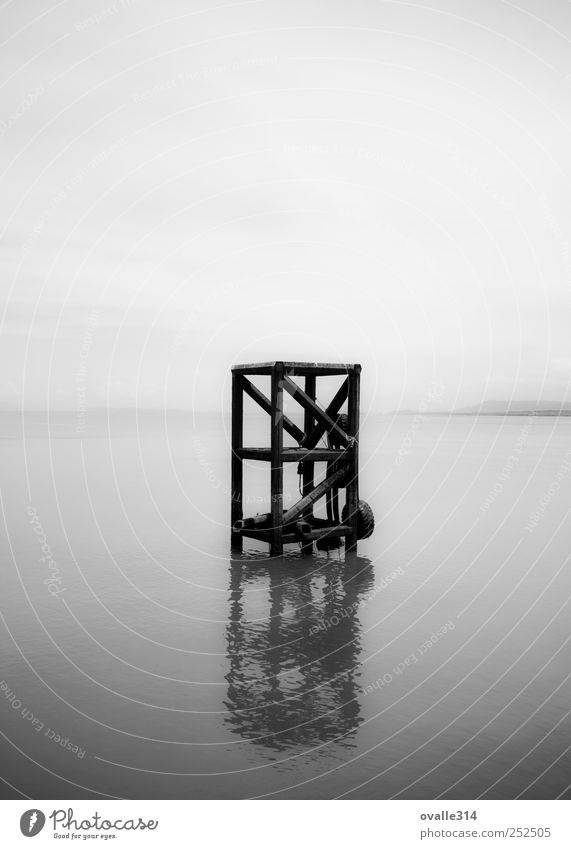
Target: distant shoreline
column 548, row 413
column 142, row 411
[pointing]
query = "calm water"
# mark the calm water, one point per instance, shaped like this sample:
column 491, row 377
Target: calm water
column 153, row 663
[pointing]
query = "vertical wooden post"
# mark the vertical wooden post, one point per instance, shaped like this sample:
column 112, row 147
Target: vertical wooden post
column 308, row 466
column 237, row 463
column 277, row 475
column 353, row 485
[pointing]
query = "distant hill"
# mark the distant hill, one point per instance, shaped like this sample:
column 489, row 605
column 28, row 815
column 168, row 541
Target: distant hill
column 516, row 408
column 498, row 408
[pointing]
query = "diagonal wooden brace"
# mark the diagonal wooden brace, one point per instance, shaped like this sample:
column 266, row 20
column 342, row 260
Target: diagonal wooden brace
column 265, row 404
column 298, row 508
column 311, row 439
column 309, row 404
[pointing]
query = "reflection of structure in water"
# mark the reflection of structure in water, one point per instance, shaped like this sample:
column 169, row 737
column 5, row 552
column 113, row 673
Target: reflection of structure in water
column 293, row 647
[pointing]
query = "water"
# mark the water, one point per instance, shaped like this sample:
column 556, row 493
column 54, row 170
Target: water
column 435, row 663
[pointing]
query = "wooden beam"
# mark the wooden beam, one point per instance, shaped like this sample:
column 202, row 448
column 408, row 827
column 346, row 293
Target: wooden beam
column 331, row 532
column 253, row 368
column 308, row 404
column 236, row 465
column 353, row 480
column 308, row 466
column 302, row 369
column 277, row 469
column 317, row 369
column 294, row 455
column 266, row 535
column 255, row 521
column 259, row 397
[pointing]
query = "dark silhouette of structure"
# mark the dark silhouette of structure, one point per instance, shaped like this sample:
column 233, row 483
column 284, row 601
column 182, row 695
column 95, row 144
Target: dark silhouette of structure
column 341, row 455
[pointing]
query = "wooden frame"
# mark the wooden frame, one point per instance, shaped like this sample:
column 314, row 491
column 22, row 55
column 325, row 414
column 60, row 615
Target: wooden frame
column 298, row 522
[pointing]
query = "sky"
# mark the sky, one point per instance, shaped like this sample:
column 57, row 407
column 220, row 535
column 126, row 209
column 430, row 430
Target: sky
column 188, row 185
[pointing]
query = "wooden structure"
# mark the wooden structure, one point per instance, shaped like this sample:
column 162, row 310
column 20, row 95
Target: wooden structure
column 298, row 524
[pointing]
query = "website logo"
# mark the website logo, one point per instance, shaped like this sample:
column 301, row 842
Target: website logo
column 32, row 822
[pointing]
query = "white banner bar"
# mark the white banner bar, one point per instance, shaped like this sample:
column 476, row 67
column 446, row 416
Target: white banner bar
column 279, row 824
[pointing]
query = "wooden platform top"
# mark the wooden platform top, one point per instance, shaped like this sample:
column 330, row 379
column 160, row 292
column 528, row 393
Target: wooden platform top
column 297, row 368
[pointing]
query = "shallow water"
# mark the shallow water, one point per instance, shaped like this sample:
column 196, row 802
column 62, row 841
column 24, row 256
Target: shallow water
column 435, row 663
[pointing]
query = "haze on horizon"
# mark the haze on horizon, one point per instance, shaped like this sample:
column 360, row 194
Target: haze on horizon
column 186, row 186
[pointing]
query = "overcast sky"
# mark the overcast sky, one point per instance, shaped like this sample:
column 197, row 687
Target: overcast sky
column 186, row 185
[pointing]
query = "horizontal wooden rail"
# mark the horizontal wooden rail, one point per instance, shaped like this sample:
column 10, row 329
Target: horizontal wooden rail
column 317, row 369
column 330, row 532
column 293, row 455
column 302, row 531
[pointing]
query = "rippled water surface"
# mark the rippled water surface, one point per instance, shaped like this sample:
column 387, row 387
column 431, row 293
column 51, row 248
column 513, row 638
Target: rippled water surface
column 140, row 658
